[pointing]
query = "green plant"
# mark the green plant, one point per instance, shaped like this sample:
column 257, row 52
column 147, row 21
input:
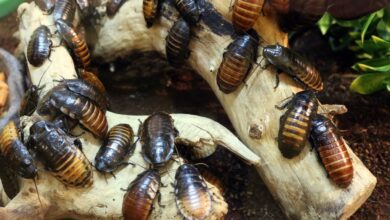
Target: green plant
column 369, row 39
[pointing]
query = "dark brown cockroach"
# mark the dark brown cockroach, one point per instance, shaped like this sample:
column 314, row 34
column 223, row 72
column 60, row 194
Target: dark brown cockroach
column 138, row 200
column 189, row 10
column 77, row 107
column 294, row 127
column 352, row 9
column 15, row 152
column 192, row 196
column 92, row 79
column 178, row 40
column 65, row 10
column 150, row 10
column 46, row 6
column 118, row 146
column 113, row 6
column 76, row 42
column 293, row 64
column 158, row 138
column 237, row 62
column 39, row 46
column 245, row 13
column 9, row 179
column 61, row 154
column 30, row 101
column 332, row 150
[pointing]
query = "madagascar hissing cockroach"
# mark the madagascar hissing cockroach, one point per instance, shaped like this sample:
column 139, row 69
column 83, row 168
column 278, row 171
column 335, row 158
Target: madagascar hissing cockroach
column 177, row 43
column 245, row 13
column 237, row 62
column 189, row 10
column 65, row 122
column 61, row 154
column 332, row 150
column 150, row 10
column 30, row 101
column 39, row 46
column 294, row 127
column 293, row 64
column 64, row 10
column 92, row 79
column 117, row 147
column 113, row 6
column 15, row 152
column 9, row 179
column 76, row 42
column 211, row 178
column 158, row 135
column 192, row 196
column 46, row 6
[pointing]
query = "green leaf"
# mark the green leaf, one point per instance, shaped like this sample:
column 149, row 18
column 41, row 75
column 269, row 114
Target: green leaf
column 370, row 83
column 383, row 30
column 324, row 23
column 386, row 15
column 381, row 43
column 373, row 65
column 388, row 87
column 366, row 25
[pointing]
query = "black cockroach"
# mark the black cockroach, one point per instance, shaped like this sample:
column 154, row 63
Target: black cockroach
column 150, row 10
column 293, row 64
column 39, row 46
column 245, row 13
column 61, row 154
column 45, row 5
column 294, row 127
column 177, row 43
column 92, row 79
column 113, row 6
column 237, row 62
column 192, row 196
column 189, row 10
column 65, row 10
column 9, row 179
column 118, row 146
column 332, row 150
column 30, row 101
column 158, row 138
column 76, row 42
column 138, row 200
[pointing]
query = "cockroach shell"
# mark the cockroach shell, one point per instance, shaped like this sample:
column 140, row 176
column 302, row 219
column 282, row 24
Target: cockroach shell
column 138, row 200
column 177, row 43
column 212, row 179
column 245, row 13
column 191, row 193
column 150, row 10
column 189, row 10
column 46, row 6
column 9, row 179
column 39, row 46
column 64, row 10
column 92, row 79
column 113, row 6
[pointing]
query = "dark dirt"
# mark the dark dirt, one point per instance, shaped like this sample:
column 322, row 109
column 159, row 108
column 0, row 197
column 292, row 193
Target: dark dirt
column 137, row 87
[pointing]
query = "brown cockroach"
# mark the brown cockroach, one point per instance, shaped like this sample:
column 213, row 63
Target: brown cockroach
column 212, row 179
column 332, row 150
column 150, row 9
column 293, row 64
column 138, row 200
column 178, row 40
column 294, row 127
column 193, row 198
column 92, row 79
column 46, row 6
column 189, row 10
column 245, row 13
column 64, row 10
column 39, row 46
column 9, row 179
column 61, row 154
column 76, row 42
column 237, row 62
column 117, row 147
column 158, row 138
column 113, row 6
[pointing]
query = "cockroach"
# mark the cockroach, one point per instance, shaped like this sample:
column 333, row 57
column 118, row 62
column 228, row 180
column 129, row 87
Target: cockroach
column 178, row 40
column 39, row 46
column 293, row 64
column 237, row 62
column 138, row 200
column 46, row 6
column 118, row 146
column 352, row 9
column 192, row 196
column 77, row 107
column 61, row 154
column 76, row 42
column 9, row 179
column 189, row 10
column 30, row 101
column 65, row 10
column 332, row 150
column 15, row 152
column 245, row 13
column 65, row 122
column 113, row 6
column 212, row 179
column 158, row 138
column 294, row 127
column 150, row 10
column 92, row 79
